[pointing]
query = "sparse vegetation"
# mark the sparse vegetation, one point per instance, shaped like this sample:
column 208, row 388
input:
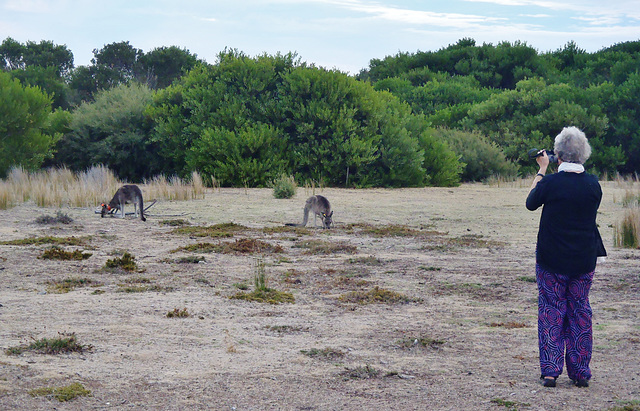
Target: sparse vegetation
column 361, row 373
column 240, row 246
column 57, row 253
column 286, row 329
column 284, row 187
column 422, row 341
column 73, row 241
column 215, row 231
column 178, row 313
column 375, row 296
column 175, row 222
column 369, row 260
column 262, row 293
column 509, row 324
column 64, row 343
column 62, row 394
column 325, row 247
column 324, row 353
column 69, row 284
column 60, row 218
column 195, row 259
column 512, row 405
column 527, row 278
column 127, row 263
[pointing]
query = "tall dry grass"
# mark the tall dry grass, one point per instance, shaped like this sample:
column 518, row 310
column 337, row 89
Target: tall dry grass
column 58, row 187
column 627, row 230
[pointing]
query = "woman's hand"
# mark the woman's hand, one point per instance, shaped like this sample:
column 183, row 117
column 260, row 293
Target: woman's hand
column 543, row 162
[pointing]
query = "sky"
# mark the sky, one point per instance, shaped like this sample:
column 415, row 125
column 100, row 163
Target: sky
column 334, row 34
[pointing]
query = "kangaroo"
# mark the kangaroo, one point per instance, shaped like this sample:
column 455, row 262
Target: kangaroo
column 128, row 193
column 320, row 206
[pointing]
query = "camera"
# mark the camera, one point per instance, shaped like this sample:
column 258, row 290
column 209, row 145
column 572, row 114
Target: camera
column 534, row 152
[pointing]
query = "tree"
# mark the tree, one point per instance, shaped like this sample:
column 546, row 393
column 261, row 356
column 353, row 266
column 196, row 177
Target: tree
column 17, row 56
column 248, row 120
column 161, row 66
column 24, row 113
column 113, row 131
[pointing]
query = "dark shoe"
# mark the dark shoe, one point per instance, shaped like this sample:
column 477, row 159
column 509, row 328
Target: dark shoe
column 548, row 381
column 582, row 383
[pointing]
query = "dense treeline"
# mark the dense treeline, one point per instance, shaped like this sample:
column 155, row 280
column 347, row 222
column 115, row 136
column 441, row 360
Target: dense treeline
column 519, row 98
column 464, row 112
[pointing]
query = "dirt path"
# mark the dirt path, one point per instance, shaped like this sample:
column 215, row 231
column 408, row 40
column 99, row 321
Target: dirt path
column 465, row 338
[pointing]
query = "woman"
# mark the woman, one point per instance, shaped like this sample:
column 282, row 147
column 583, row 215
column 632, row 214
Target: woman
column 567, row 249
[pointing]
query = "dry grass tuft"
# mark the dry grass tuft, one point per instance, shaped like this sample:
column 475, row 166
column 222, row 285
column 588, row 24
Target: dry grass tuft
column 627, row 232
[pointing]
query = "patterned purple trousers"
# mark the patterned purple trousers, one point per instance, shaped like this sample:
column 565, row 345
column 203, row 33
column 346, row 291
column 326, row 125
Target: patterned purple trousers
column 564, row 324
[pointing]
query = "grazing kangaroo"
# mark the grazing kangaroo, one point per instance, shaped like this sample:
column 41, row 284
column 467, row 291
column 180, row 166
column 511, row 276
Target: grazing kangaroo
column 128, row 193
column 320, row 206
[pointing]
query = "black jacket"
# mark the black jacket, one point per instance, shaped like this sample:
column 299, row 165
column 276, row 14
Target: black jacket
column 568, row 238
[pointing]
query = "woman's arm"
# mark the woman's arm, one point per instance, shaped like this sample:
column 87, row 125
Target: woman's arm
column 543, row 162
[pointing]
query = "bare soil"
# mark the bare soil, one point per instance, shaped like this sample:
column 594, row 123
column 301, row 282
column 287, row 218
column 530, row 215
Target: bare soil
column 466, row 338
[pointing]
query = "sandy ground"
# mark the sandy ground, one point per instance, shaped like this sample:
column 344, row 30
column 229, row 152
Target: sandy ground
column 465, row 271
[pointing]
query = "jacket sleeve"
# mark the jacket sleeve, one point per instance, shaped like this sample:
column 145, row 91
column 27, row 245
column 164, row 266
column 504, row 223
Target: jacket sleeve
column 534, row 199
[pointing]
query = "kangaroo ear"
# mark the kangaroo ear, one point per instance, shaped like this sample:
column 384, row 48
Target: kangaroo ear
column 324, row 214
column 331, row 215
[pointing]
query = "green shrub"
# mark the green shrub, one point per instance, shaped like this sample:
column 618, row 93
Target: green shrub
column 482, row 158
column 284, row 187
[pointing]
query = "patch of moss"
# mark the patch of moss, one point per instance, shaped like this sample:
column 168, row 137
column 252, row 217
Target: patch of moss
column 62, row 394
column 76, row 241
column 57, row 253
column 268, row 295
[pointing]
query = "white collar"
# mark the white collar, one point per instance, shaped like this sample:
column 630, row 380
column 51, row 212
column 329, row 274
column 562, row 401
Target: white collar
column 571, row 167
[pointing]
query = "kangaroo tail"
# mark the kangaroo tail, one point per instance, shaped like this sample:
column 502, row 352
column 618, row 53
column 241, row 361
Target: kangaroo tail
column 293, row 225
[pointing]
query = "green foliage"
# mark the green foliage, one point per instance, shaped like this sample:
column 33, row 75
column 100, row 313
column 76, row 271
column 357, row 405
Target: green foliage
column 441, row 164
column 246, row 121
column 65, row 343
column 161, row 66
column 111, row 131
column 24, row 113
column 284, row 187
column 127, row 262
column 481, row 158
column 62, row 394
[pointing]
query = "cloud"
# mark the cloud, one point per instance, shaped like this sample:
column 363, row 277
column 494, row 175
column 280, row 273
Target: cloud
column 411, row 16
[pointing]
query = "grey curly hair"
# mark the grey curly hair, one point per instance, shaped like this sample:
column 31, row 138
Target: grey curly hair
column 571, row 145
